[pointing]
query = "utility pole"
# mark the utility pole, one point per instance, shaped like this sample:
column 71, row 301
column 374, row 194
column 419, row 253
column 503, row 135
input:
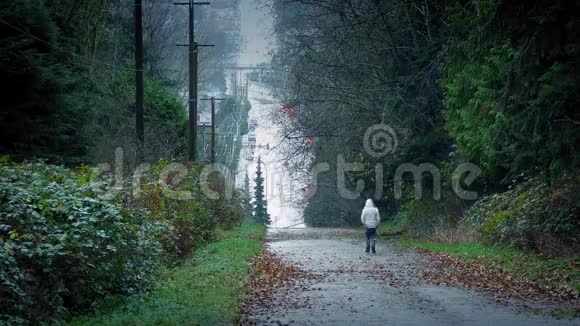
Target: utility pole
column 193, row 46
column 235, row 85
column 139, row 120
column 213, row 124
column 192, row 85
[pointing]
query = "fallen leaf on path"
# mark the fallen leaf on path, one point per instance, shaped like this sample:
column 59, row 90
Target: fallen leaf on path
column 272, row 283
column 442, row 269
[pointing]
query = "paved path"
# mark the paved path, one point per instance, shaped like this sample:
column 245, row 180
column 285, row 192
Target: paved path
column 355, row 288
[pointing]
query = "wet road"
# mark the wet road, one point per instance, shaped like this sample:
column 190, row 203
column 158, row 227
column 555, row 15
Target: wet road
column 352, row 287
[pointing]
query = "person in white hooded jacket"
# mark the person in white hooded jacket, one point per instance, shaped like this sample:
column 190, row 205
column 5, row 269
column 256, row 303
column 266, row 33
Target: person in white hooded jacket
column 370, row 218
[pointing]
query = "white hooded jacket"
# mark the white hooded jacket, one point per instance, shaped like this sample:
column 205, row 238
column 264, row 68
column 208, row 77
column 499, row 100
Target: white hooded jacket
column 370, row 215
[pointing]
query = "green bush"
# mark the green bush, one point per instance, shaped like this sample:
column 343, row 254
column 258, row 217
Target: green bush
column 193, row 221
column 68, row 239
column 189, row 221
column 437, row 220
column 531, row 215
column 62, row 248
column 419, row 216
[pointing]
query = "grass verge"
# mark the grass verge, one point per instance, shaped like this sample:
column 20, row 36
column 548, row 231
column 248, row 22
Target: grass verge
column 516, row 263
column 388, row 227
column 205, row 290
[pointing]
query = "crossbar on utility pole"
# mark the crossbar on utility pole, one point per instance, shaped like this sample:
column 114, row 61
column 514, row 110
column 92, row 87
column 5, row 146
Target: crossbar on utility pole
column 188, row 3
column 213, row 124
column 198, row 45
column 192, row 79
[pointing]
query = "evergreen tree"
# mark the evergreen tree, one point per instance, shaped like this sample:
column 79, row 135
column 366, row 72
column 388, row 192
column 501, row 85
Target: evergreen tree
column 247, row 183
column 260, row 203
column 246, row 196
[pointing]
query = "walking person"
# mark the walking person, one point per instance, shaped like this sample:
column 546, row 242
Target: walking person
column 370, row 218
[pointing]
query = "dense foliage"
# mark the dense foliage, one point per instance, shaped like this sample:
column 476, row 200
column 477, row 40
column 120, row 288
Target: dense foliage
column 68, row 79
column 62, row 247
column 205, row 290
column 69, row 238
column 511, row 83
column 492, row 83
column 531, row 215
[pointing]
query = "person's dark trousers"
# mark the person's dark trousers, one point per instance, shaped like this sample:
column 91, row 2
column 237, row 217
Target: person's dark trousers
column 371, row 239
